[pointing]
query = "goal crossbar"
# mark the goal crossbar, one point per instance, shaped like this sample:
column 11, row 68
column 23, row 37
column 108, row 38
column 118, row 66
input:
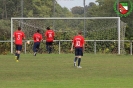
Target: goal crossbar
column 60, row 18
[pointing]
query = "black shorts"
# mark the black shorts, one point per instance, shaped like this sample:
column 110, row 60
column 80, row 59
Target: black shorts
column 49, row 43
column 36, row 45
column 78, row 51
column 18, row 47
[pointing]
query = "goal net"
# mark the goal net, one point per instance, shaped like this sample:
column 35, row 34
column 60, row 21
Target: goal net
column 102, row 34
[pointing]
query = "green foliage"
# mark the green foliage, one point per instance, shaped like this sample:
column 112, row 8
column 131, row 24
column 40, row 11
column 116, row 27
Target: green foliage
column 5, row 30
column 77, row 10
column 38, row 8
column 45, row 8
column 62, row 12
column 5, row 48
column 105, row 8
column 127, row 47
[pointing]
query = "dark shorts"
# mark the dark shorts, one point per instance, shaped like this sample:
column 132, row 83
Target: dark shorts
column 18, row 47
column 78, row 51
column 49, row 43
column 36, row 45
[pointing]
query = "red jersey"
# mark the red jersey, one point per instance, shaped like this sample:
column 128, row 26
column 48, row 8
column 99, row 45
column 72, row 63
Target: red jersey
column 18, row 36
column 78, row 41
column 49, row 34
column 37, row 37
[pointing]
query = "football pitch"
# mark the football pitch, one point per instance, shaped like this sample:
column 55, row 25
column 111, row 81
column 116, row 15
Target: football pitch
column 57, row 71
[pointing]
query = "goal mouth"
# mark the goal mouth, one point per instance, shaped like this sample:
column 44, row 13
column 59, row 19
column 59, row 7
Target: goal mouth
column 93, row 28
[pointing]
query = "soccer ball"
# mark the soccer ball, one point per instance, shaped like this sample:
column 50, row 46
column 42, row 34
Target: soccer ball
column 28, row 42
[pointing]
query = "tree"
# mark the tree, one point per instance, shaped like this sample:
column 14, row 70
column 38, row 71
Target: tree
column 77, row 10
column 106, row 8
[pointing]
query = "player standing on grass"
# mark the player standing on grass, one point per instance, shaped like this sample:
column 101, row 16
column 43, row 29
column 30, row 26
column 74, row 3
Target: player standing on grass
column 37, row 37
column 78, row 43
column 18, row 36
column 49, row 36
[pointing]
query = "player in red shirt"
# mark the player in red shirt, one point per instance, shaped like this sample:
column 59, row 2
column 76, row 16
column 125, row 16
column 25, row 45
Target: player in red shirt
column 18, row 36
column 78, row 43
column 37, row 37
column 49, row 35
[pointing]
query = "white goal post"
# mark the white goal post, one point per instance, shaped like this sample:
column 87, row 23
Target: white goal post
column 66, row 18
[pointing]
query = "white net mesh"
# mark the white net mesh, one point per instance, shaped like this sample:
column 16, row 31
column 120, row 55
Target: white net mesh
column 104, row 31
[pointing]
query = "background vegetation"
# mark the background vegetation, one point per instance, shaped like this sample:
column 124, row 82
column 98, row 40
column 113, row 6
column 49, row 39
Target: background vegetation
column 45, row 8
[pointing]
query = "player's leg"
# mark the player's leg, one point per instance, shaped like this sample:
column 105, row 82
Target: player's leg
column 18, row 52
column 79, row 61
column 37, row 47
column 50, row 47
column 80, row 54
column 76, row 56
column 46, row 46
column 75, row 59
column 34, row 48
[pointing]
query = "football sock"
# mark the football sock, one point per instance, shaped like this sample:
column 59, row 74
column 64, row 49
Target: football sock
column 15, row 54
column 46, row 47
column 50, row 49
column 35, row 53
column 18, row 56
column 36, row 50
column 75, row 59
column 79, row 60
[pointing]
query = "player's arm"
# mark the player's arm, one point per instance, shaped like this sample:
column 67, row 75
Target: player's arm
column 83, row 47
column 41, row 39
column 24, row 37
column 45, row 35
column 53, row 35
column 72, row 45
column 14, row 37
column 83, row 44
column 33, row 36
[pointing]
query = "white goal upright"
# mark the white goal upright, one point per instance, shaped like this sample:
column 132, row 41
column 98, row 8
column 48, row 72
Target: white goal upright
column 100, row 29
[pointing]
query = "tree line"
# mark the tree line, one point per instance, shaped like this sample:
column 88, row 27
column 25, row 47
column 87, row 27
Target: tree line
column 45, row 8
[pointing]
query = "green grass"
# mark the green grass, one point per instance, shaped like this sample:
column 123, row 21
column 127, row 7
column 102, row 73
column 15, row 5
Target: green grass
column 57, row 71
